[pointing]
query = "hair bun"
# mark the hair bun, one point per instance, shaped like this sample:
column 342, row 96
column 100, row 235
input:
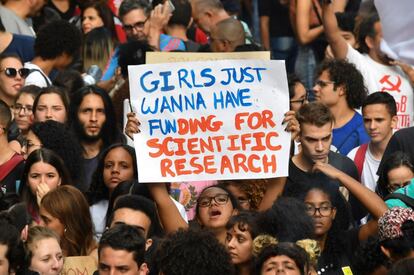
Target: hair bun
column 312, row 248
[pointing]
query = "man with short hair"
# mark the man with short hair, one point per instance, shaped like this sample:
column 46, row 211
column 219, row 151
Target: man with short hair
column 379, row 112
column 56, row 44
column 207, row 13
column 141, row 22
column 375, row 66
column 136, row 211
column 92, row 119
column 340, row 86
column 226, row 35
column 16, row 14
column 11, row 163
column 316, row 125
column 121, row 250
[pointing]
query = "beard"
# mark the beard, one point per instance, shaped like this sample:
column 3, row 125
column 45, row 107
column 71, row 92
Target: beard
column 85, row 137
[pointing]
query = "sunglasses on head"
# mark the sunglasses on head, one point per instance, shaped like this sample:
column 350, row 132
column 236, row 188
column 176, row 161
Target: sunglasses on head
column 12, row 72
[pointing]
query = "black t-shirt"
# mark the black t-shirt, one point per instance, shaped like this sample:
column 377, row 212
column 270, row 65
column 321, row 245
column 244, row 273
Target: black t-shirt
column 348, row 244
column 298, row 181
column 279, row 22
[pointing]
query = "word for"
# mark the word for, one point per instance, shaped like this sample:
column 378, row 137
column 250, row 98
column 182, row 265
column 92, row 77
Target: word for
column 165, row 81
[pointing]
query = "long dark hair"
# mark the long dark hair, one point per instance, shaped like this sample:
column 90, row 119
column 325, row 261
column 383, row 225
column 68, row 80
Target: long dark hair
column 104, row 13
column 334, row 245
column 395, row 160
column 98, row 190
column 110, row 133
column 46, row 156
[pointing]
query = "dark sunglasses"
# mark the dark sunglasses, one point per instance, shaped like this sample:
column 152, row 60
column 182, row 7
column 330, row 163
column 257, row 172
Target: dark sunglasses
column 12, row 72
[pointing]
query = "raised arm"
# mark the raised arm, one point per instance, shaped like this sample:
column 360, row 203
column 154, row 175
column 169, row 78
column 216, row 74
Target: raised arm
column 170, row 217
column 374, row 204
column 304, row 32
column 264, row 31
column 338, row 44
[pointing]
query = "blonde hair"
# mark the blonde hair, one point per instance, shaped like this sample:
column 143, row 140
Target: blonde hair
column 36, row 234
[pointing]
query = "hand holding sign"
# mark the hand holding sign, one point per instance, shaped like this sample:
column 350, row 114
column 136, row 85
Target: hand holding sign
column 215, row 120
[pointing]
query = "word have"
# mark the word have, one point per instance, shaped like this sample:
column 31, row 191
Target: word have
column 190, row 79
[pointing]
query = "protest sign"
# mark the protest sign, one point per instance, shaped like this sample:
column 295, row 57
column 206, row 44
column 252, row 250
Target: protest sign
column 210, row 120
column 169, row 57
column 80, row 265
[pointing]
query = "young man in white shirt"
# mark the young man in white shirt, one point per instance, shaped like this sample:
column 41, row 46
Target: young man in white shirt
column 377, row 69
column 379, row 113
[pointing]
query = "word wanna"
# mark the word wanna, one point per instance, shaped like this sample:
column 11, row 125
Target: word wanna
column 181, row 103
column 184, row 78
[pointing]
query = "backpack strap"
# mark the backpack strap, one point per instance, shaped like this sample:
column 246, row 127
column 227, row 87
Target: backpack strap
column 10, row 165
column 48, row 84
column 404, row 198
column 360, row 158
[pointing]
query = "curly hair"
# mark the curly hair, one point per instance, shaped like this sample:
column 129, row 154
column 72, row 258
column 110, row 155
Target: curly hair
column 291, row 250
column 98, row 190
column 345, row 74
column 192, row 252
column 56, row 137
column 286, row 220
column 369, row 257
column 253, row 188
column 335, row 244
column 56, row 38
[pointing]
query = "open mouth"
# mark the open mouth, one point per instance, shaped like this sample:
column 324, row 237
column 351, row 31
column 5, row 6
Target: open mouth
column 215, row 213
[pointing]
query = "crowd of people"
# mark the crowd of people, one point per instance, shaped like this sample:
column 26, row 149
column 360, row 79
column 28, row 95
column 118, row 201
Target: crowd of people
column 69, row 176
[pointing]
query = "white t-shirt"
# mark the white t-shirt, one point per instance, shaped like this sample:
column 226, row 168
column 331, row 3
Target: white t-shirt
column 369, row 175
column 38, row 78
column 391, row 79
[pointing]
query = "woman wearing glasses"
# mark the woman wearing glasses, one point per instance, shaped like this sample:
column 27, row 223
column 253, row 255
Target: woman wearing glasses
column 12, row 76
column 215, row 206
column 322, row 201
column 23, row 117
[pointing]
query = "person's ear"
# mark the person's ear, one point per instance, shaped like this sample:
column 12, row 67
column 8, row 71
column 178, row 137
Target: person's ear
column 24, row 233
column 386, row 252
column 235, row 212
column 143, row 269
column 394, row 121
column 148, row 244
column 333, row 214
column 369, row 41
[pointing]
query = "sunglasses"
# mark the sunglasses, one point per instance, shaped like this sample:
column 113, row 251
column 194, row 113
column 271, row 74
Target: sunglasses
column 12, row 72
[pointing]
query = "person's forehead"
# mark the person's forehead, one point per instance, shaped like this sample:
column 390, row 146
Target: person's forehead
column 116, row 257
column 315, row 131
column 92, row 100
column 134, row 16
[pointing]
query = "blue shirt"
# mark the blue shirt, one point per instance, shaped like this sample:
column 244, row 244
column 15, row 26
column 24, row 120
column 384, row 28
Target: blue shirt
column 351, row 135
